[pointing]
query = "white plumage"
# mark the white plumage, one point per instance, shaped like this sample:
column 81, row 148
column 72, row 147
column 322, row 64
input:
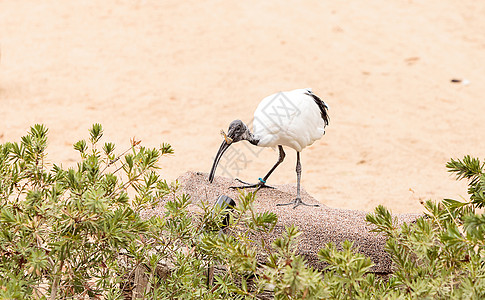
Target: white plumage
column 291, row 119
column 295, row 119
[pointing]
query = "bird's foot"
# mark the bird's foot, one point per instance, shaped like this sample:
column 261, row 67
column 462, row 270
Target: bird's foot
column 297, row 202
column 259, row 185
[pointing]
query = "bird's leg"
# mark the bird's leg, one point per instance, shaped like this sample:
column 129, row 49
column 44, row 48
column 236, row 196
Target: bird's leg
column 262, row 181
column 297, row 202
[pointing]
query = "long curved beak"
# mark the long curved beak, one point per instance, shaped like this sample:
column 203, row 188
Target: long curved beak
column 224, row 146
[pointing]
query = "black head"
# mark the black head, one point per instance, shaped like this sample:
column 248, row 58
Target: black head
column 237, row 131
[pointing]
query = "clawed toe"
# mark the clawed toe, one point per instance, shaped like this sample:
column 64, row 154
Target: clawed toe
column 297, row 202
column 259, row 185
column 243, row 182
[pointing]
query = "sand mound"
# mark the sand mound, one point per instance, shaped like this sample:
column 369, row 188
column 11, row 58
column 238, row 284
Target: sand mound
column 319, row 225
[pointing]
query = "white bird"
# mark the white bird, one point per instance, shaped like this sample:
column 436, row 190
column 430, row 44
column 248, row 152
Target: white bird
column 293, row 119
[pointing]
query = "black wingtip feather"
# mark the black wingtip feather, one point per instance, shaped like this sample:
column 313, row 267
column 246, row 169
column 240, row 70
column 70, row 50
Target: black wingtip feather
column 323, row 107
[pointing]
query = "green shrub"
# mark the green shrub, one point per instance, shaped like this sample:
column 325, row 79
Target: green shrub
column 441, row 255
column 78, row 233
column 62, row 230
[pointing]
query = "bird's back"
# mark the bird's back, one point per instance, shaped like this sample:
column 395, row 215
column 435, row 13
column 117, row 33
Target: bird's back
column 295, row 119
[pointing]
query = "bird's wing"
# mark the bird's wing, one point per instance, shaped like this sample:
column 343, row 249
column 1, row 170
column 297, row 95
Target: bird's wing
column 309, row 125
column 292, row 118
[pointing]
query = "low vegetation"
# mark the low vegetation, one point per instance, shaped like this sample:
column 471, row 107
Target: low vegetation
column 79, row 233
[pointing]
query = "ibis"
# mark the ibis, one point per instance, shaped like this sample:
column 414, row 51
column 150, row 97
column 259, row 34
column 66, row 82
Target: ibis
column 294, row 119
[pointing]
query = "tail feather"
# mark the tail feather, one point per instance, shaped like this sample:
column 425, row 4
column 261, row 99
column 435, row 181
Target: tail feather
column 322, row 105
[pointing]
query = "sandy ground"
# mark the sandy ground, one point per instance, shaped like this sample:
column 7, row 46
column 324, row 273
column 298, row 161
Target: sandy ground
column 179, row 71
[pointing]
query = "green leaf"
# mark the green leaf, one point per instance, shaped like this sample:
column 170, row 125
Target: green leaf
column 81, row 146
column 469, row 168
column 108, row 148
column 166, row 149
column 383, row 221
column 96, row 133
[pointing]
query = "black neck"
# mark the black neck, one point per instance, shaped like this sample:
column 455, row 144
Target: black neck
column 252, row 139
